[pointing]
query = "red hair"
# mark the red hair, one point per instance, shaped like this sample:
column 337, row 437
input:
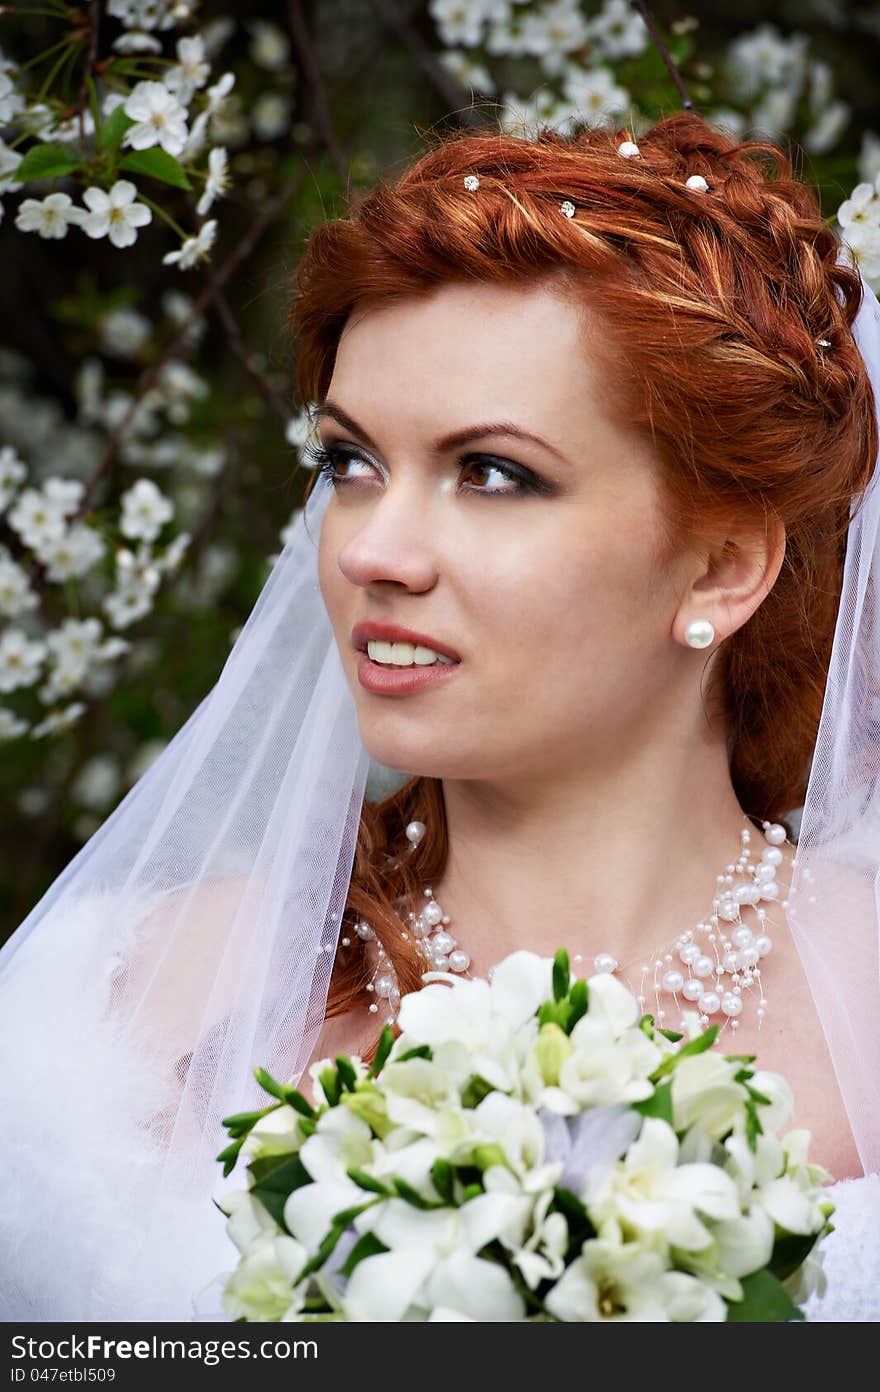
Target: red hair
column 712, row 305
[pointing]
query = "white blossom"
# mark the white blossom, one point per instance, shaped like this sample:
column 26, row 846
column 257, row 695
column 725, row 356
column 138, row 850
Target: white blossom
column 115, row 214
column 73, row 554
column 124, row 332
column 125, row 606
column 219, row 92
column 50, row 216
column 194, row 249
column 594, row 94
column 467, row 70
column 458, row 21
column 10, row 725
column 269, row 46
column 9, row 162
column 869, row 156
column 161, row 120
column 827, row 129
column 179, row 387
column 191, row 71
column 35, row 518
column 20, row 659
column 774, row 114
column 38, row 120
column 618, row 31
column 11, row 101
column 97, row 783
column 59, row 721
column 65, row 494
column 763, row 58
column 12, row 472
column 144, row 511
column 16, row 595
column 134, row 41
column 552, row 32
column 271, row 115
column 217, row 181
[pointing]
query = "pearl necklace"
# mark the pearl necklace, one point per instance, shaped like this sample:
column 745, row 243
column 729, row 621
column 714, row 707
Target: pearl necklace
column 720, row 946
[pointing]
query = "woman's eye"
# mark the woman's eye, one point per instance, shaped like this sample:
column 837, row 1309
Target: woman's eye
column 329, row 461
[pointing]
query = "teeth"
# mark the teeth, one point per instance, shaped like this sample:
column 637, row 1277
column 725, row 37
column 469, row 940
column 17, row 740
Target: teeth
column 405, row 655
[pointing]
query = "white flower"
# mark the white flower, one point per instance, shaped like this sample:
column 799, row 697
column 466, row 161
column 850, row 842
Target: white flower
column 59, row 721
column 73, row 554
column 10, row 725
column 128, row 604
column 217, row 181
column 705, row 1092
column 50, row 216
column 178, row 387
column 763, row 58
column 261, row 1288
column 36, row 518
column 9, row 162
column 16, row 595
column 219, row 92
column 623, row 1282
column 20, row 659
column 136, row 42
column 270, row 46
column 191, row 71
column 618, row 31
column 652, row 1194
column 271, row 115
column 458, row 21
column 12, row 471
column 144, row 511
column 11, row 102
column 863, row 205
column 124, row 332
column 194, row 249
column 467, row 70
column 161, row 120
column 196, row 138
column 869, row 156
column 594, row 94
column 97, row 782
column 115, row 214
column 825, row 132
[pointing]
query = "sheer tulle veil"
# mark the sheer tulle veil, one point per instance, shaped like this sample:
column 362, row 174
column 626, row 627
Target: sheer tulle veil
column 193, row 937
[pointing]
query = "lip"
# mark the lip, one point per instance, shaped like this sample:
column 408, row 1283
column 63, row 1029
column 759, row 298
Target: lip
column 395, row 633
column 401, row 681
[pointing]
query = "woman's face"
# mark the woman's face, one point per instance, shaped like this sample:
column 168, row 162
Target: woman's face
column 548, row 588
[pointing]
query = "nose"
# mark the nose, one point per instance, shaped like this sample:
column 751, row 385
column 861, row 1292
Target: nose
column 391, row 541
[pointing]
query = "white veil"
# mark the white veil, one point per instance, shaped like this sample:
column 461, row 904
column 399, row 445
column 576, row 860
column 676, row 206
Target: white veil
column 193, row 936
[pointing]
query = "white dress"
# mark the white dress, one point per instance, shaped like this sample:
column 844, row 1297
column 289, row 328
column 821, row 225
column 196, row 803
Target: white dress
column 851, row 1254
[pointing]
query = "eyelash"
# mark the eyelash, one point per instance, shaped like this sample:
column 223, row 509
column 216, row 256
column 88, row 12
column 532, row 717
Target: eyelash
column 326, row 461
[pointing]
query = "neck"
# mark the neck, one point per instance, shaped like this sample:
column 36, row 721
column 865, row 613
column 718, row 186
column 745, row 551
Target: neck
column 595, row 861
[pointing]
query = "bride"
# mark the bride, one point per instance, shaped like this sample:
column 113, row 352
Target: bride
column 591, row 420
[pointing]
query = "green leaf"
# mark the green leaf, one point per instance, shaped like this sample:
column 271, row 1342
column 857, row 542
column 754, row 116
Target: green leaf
column 366, row 1181
column 294, row 1098
column 443, row 1179
column 114, row 128
column 276, row 1186
column 765, row 1301
column 659, row 1104
column 294, row 1173
column 347, row 1074
column 367, row 1246
column 229, row 1157
column 674, row 1035
column 579, row 1004
column 385, row 1042
column 323, row 1252
column 754, row 1129
column 476, row 1089
column 561, row 975
column 269, row 1084
column 243, row 1122
column 789, row 1252
column 698, row 1045
column 332, row 1085
column 412, row 1196
column 420, row 1051
column 157, row 164
column 47, row 162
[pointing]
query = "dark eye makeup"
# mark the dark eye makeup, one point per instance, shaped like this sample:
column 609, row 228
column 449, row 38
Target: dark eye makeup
column 328, row 460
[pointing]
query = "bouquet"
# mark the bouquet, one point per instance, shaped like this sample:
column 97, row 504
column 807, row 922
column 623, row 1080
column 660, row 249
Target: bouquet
column 527, row 1148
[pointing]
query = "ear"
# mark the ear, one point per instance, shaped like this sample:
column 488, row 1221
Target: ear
column 731, row 578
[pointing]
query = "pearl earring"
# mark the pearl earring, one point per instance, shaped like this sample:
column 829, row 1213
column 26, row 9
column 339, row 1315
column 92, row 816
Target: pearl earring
column 700, row 633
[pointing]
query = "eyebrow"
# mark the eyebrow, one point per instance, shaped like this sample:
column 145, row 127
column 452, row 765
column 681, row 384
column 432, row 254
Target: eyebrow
column 454, row 440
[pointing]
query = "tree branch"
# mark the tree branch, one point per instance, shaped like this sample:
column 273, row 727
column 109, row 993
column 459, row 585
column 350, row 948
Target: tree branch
column 664, row 53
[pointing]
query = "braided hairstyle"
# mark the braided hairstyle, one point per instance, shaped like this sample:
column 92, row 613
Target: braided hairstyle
column 714, row 304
